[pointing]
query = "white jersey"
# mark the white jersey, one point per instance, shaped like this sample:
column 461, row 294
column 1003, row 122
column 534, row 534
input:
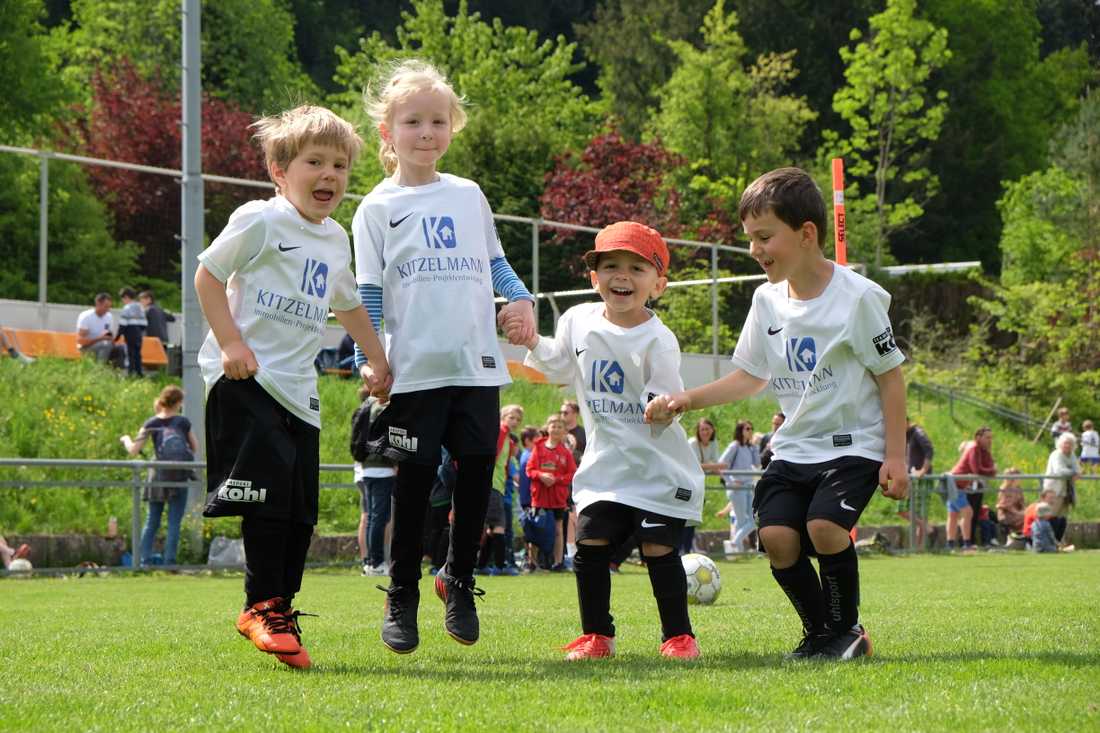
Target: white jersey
column 614, row 372
column 428, row 247
column 1090, row 444
column 282, row 273
column 819, row 356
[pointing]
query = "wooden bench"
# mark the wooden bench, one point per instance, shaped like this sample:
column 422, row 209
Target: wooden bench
column 62, row 345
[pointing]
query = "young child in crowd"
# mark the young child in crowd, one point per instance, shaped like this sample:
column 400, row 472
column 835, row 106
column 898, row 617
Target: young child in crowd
column 1010, row 502
column 427, row 262
column 374, row 477
column 818, row 334
column 635, row 481
column 266, row 285
column 495, row 520
column 1090, row 448
column 131, row 329
column 527, row 440
column 551, row 468
column 1042, row 533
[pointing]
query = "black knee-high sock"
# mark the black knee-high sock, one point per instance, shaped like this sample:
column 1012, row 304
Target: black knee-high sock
column 840, row 587
column 666, row 575
column 410, row 501
column 471, row 498
column 803, row 589
column 298, row 539
column 265, row 545
column 594, row 588
column 498, row 549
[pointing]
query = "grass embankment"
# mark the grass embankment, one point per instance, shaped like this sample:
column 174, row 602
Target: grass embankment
column 160, row 653
column 77, row 409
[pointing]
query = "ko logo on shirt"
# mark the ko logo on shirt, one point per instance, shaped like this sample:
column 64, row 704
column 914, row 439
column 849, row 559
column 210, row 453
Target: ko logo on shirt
column 801, row 354
column 439, row 232
column 315, row 278
column 607, row 376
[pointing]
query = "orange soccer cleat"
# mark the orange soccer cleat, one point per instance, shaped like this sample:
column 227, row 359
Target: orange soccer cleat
column 301, row 659
column 590, row 646
column 683, row 646
column 267, row 625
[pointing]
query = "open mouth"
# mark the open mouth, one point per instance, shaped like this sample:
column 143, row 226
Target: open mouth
column 323, row 195
column 621, row 291
column 766, row 263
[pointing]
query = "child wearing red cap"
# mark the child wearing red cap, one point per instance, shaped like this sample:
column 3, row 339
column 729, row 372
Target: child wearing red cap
column 633, row 481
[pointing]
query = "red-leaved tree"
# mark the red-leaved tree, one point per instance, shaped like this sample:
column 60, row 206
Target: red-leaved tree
column 137, row 120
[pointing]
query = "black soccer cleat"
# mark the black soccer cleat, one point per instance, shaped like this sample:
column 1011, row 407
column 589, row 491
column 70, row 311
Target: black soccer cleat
column 809, row 646
column 399, row 631
column 458, row 595
column 846, row 645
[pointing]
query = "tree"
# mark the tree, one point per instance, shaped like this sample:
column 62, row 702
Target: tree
column 248, row 53
column 32, row 93
column 136, row 120
column 894, row 113
column 628, row 40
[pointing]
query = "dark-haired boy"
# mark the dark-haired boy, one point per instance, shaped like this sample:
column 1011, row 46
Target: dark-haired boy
column 818, row 334
column 131, row 328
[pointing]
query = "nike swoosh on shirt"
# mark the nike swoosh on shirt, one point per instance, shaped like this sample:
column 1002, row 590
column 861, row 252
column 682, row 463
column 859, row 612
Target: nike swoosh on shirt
column 287, row 249
column 773, row 332
column 844, row 505
column 648, row 525
column 395, row 224
column 580, row 351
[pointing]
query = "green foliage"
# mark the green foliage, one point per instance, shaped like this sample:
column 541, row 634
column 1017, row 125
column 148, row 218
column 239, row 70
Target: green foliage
column 523, row 108
column 32, row 93
column 687, row 312
column 893, row 112
column 83, row 256
column 248, row 53
column 1044, row 217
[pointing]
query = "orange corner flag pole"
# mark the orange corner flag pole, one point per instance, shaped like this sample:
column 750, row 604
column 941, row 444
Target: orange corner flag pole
column 840, row 234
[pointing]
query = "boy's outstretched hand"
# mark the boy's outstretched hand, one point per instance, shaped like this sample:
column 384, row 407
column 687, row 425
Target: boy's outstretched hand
column 378, row 380
column 517, row 320
column 664, row 408
column 894, row 479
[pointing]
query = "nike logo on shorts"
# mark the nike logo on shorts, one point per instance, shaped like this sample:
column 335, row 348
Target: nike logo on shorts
column 287, row 249
column 844, row 505
column 772, row 332
column 395, row 224
column 646, row 524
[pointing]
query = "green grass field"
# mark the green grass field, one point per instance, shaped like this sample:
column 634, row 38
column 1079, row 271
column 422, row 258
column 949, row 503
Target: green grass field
column 988, row 642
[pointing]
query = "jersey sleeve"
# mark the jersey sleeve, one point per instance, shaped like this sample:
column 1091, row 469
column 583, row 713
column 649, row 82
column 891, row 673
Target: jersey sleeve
column 242, row 239
column 493, row 246
column 749, row 355
column 369, row 238
column 664, row 369
column 554, row 357
column 345, row 293
column 872, row 337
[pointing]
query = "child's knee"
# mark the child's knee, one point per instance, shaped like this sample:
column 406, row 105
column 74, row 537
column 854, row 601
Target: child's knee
column 651, row 550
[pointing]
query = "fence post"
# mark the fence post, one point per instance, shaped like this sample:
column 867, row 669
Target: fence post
column 913, row 514
column 535, row 267
column 43, row 234
column 714, row 311
column 135, row 520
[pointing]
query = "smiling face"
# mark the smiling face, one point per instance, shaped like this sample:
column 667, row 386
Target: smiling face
column 556, row 428
column 626, row 281
column 314, row 181
column 780, row 250
column 420, row 131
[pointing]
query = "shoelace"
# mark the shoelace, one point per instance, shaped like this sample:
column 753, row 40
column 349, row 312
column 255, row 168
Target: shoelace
column 276, row 622
column 292, row 619
column 467, row 584
column 397, row 610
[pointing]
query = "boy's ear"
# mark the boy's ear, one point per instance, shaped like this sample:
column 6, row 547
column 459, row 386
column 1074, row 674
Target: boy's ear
column 659, row 287
column 808, row 233
column 384, row 132
column 593, row 279
column 277, row 174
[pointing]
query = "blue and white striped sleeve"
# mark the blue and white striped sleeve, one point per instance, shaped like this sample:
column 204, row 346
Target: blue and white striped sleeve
column 371, row 298
column 506, row 282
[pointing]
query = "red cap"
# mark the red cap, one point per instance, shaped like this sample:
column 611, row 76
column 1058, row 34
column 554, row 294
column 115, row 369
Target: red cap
column 633, row 237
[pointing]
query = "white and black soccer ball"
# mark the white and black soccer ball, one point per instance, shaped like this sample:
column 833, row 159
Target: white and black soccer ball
column 704, row 580
column 20, row 565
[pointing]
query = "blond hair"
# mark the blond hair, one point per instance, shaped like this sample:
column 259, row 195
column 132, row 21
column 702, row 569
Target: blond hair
column 403, row 80
column 283, row 136
column 509, row 409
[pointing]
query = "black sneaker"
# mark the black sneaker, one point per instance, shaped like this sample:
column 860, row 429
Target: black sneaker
column 808, row 647
column 457, row 595
column 847, row 645
column 399, row 630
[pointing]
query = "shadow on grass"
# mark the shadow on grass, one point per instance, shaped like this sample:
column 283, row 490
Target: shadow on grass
column 1065, row 659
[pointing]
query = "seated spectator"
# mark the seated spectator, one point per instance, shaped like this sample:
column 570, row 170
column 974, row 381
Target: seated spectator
column 13, row 352
column 1031, row 513
column 1010, row 503
column 156, row 318
column 1042, row 534
column 345, row 352
column 9, row 553
column 94, row 336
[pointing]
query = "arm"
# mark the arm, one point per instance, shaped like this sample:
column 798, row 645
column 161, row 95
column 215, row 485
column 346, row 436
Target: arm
column 358, row 324
column 134, row 447
column 371, row 298
column 238, row 361
column 892, row 477
column 517, row 318
column 737, row 385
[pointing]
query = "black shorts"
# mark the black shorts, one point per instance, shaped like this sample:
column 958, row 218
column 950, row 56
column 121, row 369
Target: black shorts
column 414, row 425
column 494, row 512
column 791, row 494
column 615, row 522
column 262, row 460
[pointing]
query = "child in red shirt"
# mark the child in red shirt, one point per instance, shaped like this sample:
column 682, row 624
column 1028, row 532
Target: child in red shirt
column 551, row 468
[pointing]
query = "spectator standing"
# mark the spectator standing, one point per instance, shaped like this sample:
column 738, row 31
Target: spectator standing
column 766, row 439
column 976, row 459
column 1061, row 471
column 374, row 477
column 527, row 441
column 571, row 411
column 131, row 329
column 551, row 468
column 94, row 333
column 919, row 452
column 495, row 520
column 1010, row 503
column 1090, row 447
column 705, row 448
column 173, row 440
column 156, row 318
column 1062, row 424
column 741, row 455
